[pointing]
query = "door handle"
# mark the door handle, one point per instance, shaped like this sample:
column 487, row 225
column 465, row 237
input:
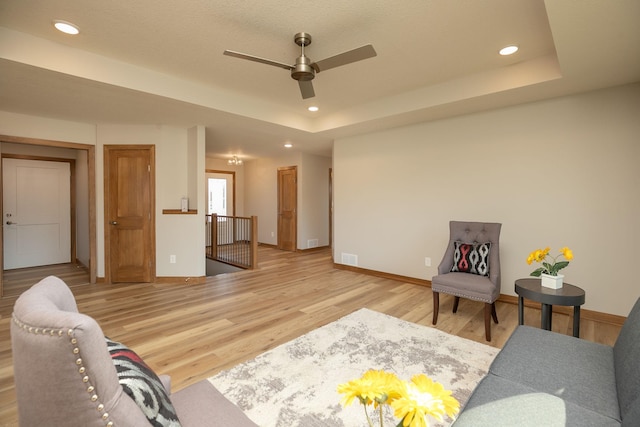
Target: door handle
column 11, row 223
column 114, row 222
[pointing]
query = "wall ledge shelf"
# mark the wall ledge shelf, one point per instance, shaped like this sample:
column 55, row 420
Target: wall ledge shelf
column 179, row 212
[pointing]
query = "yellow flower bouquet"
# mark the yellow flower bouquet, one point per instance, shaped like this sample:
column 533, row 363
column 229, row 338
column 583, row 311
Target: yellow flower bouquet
column 554, row 266
column 412, row 402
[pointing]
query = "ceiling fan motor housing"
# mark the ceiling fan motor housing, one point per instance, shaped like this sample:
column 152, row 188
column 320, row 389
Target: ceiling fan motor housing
column 303, row 69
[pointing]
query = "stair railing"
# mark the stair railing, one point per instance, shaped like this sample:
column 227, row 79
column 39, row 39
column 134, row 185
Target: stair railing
column 232, row 240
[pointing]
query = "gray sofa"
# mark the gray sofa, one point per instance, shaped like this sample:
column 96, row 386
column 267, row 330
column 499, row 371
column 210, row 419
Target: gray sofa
column 542, row 378
column 65, row 374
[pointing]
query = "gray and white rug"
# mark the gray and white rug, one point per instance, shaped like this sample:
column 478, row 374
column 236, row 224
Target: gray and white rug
column 295, row 384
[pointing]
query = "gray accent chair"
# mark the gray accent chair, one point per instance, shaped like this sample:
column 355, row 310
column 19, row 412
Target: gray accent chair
column 542, row 378
column 64, row 375
column 466, row 285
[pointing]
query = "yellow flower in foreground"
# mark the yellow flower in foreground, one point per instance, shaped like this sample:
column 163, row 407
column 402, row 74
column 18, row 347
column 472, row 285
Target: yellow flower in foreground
column 424, row 397
column 568, row 253
column 374, row 387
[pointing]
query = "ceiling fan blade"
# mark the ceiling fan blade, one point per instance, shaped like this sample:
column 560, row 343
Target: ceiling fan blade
column 258, row 59
column 306, row 89
column 358, row 54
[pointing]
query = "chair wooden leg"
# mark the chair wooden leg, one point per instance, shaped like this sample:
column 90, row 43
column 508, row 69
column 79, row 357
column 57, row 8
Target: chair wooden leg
column 493, row 313
column 456, row 300
column 487, row 321
column 436, row 306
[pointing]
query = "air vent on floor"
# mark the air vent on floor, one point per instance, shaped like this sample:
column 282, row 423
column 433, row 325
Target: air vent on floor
column 350, row 259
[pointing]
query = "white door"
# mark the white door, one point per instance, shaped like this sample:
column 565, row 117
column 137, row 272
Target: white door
column 220, row 191
column 37, row 212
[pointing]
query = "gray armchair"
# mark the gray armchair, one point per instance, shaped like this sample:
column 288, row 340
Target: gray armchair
column 470, row 268
column 65, row 375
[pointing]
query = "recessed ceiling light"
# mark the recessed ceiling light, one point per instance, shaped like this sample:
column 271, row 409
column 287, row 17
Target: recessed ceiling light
column 288, row 145
column 508, row 50
column 313, row 108
column 66, row 27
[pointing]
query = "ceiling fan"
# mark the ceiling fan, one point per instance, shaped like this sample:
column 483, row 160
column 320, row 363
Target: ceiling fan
column 304, row 70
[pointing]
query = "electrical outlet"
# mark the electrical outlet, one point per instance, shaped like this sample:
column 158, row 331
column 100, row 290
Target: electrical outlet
column 172, row 259
column 427, row 262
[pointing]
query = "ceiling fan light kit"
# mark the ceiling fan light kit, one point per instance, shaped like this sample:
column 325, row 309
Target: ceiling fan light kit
column 304, row 70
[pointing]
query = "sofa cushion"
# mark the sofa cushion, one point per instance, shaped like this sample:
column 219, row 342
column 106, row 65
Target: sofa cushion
column 142, row 384
column 575, row 370
column 626, row 352
column 471, row 258
column 632, row 414
column 499, row 402
column 218, row 411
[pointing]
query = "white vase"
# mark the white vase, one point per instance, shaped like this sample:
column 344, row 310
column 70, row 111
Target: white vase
column 553, row 282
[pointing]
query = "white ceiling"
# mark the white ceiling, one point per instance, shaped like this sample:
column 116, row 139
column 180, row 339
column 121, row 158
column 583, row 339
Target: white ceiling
column 161, row 62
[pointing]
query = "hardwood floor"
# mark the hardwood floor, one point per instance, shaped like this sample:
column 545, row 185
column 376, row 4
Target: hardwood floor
column 192, row 331
column 14, row 282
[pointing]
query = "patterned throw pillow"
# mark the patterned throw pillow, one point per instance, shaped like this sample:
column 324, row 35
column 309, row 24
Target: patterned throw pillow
column 471, row 258
column 142, row 385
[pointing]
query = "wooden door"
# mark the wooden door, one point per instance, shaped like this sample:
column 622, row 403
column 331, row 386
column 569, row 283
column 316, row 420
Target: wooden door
column 129, row 213
column 287, row 208
column 37, row 212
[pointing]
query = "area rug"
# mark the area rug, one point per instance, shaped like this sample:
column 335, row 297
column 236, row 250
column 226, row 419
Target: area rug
column 294, row 385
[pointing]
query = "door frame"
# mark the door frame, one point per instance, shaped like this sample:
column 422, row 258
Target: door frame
column 72, row 195
column 91, row 172
column 152, row 208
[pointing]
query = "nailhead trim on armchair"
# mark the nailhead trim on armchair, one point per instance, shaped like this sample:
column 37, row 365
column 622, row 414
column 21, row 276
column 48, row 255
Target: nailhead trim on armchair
column 59, row 333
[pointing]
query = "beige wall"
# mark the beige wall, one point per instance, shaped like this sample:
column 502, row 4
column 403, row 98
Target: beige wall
column 561, row 172
column 313, row 201
column 45, row 128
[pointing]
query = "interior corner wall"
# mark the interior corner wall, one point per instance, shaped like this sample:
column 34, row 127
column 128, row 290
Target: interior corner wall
column 313, row 201
column 83, row 245
column 195, row 172
column 559, row 172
